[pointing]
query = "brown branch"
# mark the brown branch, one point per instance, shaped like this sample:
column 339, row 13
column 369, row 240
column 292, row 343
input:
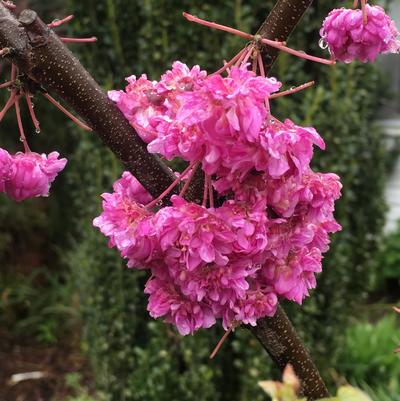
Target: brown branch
column 41, row 55
column 279, row 24
column 279, row 338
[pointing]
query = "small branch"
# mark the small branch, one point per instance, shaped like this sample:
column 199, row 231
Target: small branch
column 79, row 40
column 293, row 90
column 279, row 25
column 58, row 22
column 279, row 338
column 38, row 48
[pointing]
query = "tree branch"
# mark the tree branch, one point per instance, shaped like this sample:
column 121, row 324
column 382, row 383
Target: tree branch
column 279, row 24
column 279, row 338
column 40, row 55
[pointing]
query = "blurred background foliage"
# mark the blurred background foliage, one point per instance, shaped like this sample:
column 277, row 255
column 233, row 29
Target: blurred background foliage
column 59, row 283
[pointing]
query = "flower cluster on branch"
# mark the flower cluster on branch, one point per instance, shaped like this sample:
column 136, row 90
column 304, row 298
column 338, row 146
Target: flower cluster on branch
column 264, row 241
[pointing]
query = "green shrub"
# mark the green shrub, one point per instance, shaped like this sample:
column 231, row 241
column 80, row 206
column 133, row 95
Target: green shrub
column 388, row 264
column 368, row 355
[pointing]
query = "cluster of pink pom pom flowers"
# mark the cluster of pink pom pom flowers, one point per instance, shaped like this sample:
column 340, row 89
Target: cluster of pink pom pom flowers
column 264, row 236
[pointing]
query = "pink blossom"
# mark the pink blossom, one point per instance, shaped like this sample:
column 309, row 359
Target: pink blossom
column 122, row 211
column 266, row 240
column 181, row 79
column 294, row 276
column 140, row 103
column 350, row 38
column 166, row 301
column 256, row 305
column 6, row 168
column 190, row 235
column 32, row 174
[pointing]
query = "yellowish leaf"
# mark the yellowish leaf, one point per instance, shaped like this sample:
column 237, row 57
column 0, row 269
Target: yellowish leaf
column 348, row 393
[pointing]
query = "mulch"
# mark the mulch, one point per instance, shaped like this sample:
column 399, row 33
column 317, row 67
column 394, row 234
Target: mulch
column 53, row 363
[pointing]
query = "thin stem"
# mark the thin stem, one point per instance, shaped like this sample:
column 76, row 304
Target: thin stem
column 6, row 84
column 20, row 126
column 272, row 43
column 254, row 64
column 8, row 4
column 170, row 188
column 32, row 113
column 4, row 51
column 78, row 40
column 355, row 4
column 66, row 112
column 205, row 193
column 210, row 192
column 189, row 180
column 59, row 22
column 246, row 57
column 298, row 53
column 229, row 63
column 293, row 90
column 241, row 58
column 10, row 103
column 220, row 27
column 364, row 12
column 260, row 64
column 220, row 342
column 14, row 72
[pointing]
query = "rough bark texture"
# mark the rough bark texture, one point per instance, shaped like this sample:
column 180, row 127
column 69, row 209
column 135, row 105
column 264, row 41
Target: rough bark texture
column 280, row 340
column 43, row 57
column 39, row 54
column 279, row 25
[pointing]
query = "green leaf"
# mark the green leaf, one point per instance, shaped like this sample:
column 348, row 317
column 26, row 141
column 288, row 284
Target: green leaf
column 348, row 393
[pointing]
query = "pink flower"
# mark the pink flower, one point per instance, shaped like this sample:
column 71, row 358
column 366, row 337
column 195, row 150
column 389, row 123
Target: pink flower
column 181, row 79
column 140, row 104
column 256, row 305
column 233, row 261
column 32, row 175
column 6, row 168
column 122, row 212
column 294, row 276
column 166, row 301
column 192, row 236
column 349, row 38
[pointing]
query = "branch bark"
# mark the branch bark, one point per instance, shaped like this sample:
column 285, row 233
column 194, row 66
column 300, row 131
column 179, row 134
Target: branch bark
column 41, row 56
column 279, row 338
column 279, row 24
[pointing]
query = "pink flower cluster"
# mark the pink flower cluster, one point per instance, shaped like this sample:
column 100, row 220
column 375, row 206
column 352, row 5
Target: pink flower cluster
column 28, row 175
column 265, row 241
column 352, row 35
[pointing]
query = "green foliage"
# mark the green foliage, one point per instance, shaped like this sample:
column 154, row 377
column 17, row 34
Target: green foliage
column 368, row 354
column 388, row 258
column 381, row 393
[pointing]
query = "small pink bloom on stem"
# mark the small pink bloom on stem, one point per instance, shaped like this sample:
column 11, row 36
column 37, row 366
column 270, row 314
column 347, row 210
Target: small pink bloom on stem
column 6, row 168
column 359, row 35
column 32, row 175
